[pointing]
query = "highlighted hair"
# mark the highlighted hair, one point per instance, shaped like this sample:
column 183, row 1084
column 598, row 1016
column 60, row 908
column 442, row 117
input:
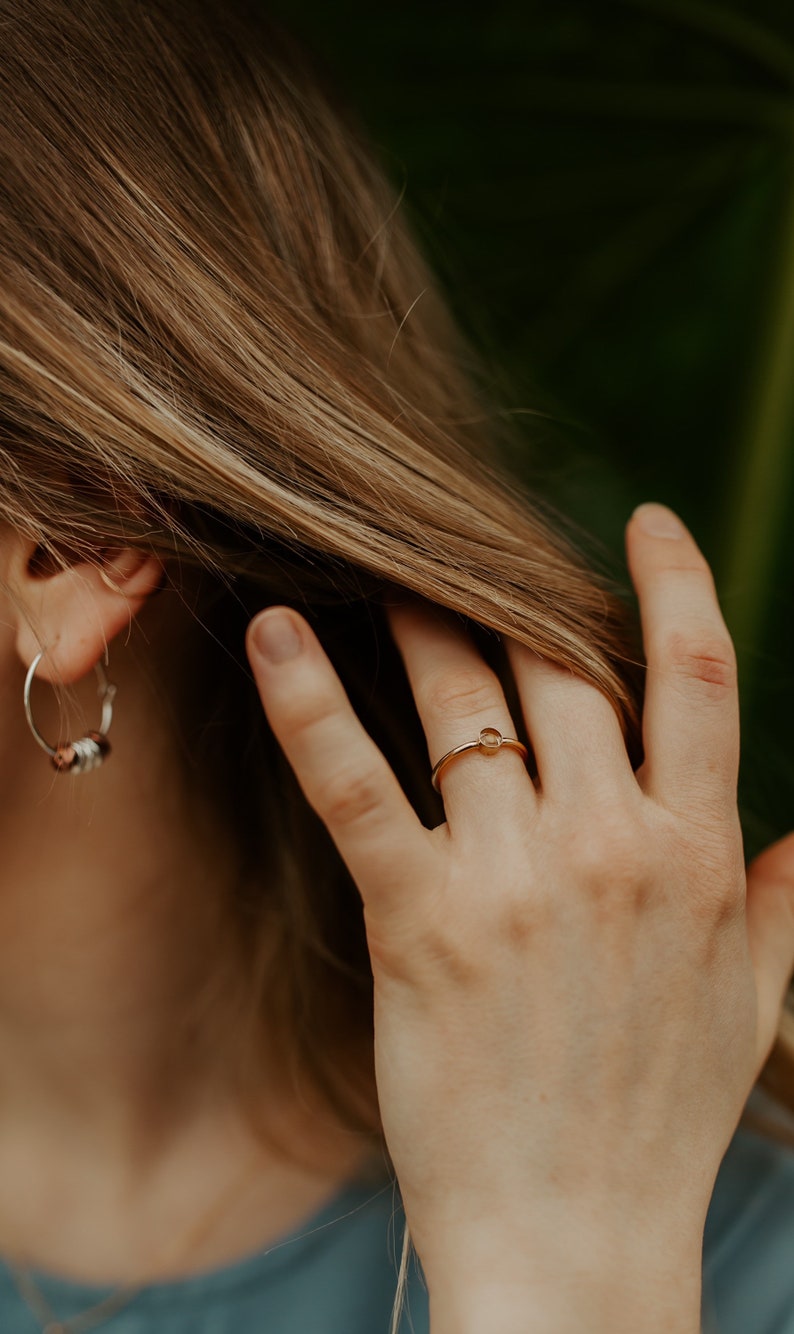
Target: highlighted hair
column 219, row 341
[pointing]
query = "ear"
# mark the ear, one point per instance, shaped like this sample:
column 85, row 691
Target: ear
column 73, row 612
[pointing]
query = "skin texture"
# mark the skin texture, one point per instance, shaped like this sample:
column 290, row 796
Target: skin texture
column 116, row 1108
column 576, row 982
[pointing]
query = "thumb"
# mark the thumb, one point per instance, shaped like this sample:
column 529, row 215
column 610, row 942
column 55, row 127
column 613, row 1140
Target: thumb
column 770, row 926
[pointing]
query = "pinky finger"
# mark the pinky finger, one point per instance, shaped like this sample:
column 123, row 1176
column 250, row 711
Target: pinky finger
column 770, row 925
column 342, row 773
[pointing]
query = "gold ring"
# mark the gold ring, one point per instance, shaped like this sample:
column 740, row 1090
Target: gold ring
column 488, row 742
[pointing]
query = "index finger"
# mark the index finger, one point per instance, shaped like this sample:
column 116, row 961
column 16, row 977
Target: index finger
column 691, row 716
column 343, row 774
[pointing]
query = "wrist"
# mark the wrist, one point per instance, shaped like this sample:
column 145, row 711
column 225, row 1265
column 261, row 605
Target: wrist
column 622, row 1307
column 602, row 1288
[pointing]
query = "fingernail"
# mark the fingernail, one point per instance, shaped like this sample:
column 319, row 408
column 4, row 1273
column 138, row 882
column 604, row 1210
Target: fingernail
column 276, row 636
column 658, row 520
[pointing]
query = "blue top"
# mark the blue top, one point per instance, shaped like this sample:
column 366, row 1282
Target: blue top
column 336, row 1274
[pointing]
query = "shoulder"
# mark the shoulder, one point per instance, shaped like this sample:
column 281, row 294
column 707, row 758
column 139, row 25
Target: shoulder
column 748, row 1245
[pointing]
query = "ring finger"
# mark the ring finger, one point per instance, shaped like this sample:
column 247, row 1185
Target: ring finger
column 457, row 695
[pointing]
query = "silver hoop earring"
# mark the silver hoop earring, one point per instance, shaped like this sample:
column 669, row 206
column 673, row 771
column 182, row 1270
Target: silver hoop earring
column 88, row 752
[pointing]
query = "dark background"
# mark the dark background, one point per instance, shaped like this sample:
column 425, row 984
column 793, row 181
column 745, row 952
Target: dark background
column 606, row 189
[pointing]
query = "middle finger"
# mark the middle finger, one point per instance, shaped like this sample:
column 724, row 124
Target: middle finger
column 457, row 694
column 576, row 735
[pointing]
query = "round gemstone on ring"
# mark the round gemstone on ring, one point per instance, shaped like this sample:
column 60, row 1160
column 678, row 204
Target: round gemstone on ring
column 490, row 739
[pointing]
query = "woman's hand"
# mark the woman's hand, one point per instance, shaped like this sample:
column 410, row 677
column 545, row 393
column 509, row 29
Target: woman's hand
column 575, row 984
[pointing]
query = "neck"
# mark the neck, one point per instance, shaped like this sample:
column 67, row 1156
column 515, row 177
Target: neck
column 111, row 928
column 120, row 990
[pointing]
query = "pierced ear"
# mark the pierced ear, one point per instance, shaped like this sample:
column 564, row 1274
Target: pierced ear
column 74, row 612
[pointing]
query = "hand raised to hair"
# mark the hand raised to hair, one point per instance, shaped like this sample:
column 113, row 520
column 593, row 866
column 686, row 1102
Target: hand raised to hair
column 576, row 984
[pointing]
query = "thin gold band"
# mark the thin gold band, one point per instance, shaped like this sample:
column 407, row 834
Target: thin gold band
column 488, row 742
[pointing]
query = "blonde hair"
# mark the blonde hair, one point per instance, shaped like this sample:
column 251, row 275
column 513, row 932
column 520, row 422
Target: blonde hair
column 219, row 342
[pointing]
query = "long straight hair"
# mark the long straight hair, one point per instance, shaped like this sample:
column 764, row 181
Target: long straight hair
column 219, row 342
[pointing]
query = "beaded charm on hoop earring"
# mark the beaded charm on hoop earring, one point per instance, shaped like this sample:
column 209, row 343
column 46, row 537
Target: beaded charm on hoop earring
column 88, row 752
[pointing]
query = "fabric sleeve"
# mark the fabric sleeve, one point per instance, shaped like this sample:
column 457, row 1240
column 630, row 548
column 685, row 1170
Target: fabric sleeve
column 748, row 1246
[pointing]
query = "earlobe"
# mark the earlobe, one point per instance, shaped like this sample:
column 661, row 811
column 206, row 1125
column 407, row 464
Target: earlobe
column 74, row 612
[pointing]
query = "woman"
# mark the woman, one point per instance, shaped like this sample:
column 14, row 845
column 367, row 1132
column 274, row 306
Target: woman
column 249, row 494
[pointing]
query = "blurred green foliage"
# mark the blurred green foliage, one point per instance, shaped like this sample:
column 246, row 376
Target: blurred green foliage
column 606, row 189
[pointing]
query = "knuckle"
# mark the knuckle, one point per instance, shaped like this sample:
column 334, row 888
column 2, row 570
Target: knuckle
column 692, row 562
column 350, row 797
column 716, row 907
column 707, row 659
column 456, row 958
column 523, row 917
column 730, row 896
column 719, row 890
column 462, row 693
column 609, row 853
column 302, row 714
